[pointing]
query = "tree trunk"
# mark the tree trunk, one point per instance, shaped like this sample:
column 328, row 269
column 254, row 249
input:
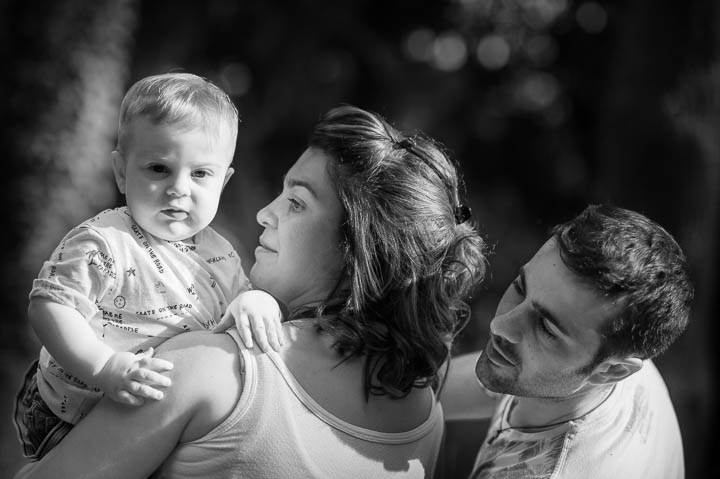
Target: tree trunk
column 67, row 67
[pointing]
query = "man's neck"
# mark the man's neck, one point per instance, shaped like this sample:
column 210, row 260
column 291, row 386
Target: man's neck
column 539, row 412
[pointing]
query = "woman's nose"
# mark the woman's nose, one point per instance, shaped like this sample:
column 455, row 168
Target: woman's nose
column 266, row 217
column 509, row 325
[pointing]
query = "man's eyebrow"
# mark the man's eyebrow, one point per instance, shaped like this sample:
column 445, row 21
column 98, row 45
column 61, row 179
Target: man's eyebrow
column 296, row 182
column 540, row 308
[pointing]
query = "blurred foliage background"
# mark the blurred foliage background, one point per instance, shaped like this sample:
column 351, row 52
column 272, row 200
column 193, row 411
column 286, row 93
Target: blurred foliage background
column 547, row 105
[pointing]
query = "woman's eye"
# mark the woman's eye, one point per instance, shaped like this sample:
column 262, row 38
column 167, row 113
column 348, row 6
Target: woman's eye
column 295, row 205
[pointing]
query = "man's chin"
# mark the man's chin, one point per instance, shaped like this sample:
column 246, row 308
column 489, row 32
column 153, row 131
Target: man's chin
column 489, row 379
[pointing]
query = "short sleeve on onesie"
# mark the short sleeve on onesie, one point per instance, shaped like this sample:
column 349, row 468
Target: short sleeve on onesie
column 79, row 273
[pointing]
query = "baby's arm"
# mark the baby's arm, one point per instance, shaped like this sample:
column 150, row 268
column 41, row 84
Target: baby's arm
column 124, row 377
column 257, row 314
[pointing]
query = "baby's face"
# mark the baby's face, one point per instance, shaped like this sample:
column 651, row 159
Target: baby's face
column 172, row 177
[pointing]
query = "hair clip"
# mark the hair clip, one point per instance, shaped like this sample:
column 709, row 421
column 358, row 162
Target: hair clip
column 462, row 214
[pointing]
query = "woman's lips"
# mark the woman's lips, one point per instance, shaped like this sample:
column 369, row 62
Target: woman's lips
column 260, row 249
column 263, row 244
column 264, row 248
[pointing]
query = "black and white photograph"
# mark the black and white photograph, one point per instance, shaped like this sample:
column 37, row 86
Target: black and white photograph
column 472, row 239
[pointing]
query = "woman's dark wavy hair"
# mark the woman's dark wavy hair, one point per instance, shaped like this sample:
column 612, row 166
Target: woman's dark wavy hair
column 634, row 261
column 410, row 254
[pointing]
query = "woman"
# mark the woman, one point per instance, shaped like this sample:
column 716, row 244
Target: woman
column 371, row 251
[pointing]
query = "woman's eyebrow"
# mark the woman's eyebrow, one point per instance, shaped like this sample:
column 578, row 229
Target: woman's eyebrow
column 296, row 182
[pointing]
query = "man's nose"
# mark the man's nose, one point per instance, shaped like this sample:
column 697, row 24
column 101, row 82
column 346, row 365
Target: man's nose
column 509, row 325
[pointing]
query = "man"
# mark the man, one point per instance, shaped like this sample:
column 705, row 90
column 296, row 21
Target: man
column 566, row 374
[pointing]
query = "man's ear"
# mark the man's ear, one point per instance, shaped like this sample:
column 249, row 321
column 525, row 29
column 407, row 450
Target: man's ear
column 615, row 369
column 228, row 174
column 119, row 167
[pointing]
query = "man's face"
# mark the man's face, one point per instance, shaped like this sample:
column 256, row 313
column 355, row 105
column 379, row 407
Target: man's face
column 545, row 331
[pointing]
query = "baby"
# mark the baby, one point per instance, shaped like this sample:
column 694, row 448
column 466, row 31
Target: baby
column 126, row 280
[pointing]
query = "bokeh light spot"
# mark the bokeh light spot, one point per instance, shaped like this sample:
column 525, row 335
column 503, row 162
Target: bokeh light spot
column 493, row 52
column 591, row 17
column 329, row 66
column 449, row 52
column 540, row 14
column 419, row 43
column 235, row 78
column 537, row 91
column 541, row 50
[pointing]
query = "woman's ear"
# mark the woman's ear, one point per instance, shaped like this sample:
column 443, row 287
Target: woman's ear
column 119, row 167
column 614, row 370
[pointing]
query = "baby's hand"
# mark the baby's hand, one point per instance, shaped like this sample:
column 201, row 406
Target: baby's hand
column 128, row 378
column 255, row 311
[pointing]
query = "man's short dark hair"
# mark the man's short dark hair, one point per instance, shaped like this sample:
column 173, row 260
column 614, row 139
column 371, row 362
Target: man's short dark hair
column 632, row 260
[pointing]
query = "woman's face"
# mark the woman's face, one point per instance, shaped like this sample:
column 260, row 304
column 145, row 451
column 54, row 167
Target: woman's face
column 299, row 259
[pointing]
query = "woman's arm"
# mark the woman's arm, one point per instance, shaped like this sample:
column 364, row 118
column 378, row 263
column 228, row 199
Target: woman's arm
column 462, row 397
column 121, row 441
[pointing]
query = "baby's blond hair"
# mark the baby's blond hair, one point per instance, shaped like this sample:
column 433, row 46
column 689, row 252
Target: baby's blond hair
column 180, row 99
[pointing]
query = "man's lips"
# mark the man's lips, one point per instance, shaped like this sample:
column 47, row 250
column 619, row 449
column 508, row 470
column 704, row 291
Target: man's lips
column 497, row 355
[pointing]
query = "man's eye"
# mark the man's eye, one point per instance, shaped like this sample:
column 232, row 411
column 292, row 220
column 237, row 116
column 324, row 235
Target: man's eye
column 518, row 286
column 545, row 328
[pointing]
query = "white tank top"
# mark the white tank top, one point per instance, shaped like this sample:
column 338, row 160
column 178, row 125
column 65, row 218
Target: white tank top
column 278, row 430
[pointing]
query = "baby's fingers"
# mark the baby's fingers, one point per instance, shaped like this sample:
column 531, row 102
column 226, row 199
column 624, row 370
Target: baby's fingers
column 273, row 332
column 260, row 332
column 155, row 364
column 225, row 323
column 124, row 397
column 144, row 391
column 243, row 327
column 278, row 330
column 150, row 377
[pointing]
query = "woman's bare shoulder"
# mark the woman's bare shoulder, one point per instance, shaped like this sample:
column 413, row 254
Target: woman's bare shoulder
column 337, row 385
column 192, row 342
column 206, row 378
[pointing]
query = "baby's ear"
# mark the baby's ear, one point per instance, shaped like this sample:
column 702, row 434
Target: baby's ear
column 119, row 168
column 615, row 369
column 228, row 174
